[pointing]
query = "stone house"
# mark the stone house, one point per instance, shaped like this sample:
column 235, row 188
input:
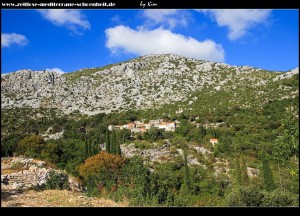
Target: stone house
column 167, row 126
column 213, row 141
column 138, row 130
column 129, row 125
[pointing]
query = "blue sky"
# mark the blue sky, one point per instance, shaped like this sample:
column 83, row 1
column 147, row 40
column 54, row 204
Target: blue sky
column 68, row 40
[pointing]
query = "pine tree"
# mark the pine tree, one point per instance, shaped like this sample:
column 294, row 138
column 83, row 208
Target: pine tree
column 269, row 183
column 245, row 177
column 107, row 142
column 238, row 172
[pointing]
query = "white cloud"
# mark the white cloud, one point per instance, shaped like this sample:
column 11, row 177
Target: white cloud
column 8, row 39
column 161, row 41
column 74, row 20
column 239, row 21
column 169, row 18
column 116, row 19
column 58, row 70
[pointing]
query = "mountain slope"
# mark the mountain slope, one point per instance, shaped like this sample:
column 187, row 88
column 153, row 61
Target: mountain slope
column 145, row 82
column 248, row 110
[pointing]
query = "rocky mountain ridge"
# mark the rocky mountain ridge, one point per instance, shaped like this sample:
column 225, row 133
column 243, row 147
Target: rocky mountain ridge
column 140, row 83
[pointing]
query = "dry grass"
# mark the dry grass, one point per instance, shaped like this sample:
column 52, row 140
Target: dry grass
column 54, row 198
column 8, row 171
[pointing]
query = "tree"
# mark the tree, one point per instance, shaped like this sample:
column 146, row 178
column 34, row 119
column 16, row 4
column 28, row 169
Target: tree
column 245, row 177
column 52, row 152
column 269, row 184
column 136, row 177
column 31, row 146
column 246, row 196
column 9, row 144
column 184, row 128
column 287, row 144
column 113, row 143
column 153, row 134
column 56, row 128
column 72, row 155
column 118, row 150
column 90, row 149
column 278, row 198
column 123, row 135
column 102, row 163
column 59, row 181
column 107, row 141
column 86, row 149
column 238, row 172
column 102, row 170
column 186, row 171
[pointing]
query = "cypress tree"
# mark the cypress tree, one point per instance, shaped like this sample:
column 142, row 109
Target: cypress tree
column 86, row 149
column 186, row 171
column 245, row 177
column 113, row 142
column 269, row 183
column 118, row 143
column 238, row 172
column 119, row 149
column 107, row 142
column 91, row 152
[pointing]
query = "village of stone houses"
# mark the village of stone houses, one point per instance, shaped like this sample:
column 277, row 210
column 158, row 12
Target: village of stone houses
column 34, row 173
column 140, row 126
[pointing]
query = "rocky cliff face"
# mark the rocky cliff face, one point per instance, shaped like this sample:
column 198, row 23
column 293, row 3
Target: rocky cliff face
column 144, row 82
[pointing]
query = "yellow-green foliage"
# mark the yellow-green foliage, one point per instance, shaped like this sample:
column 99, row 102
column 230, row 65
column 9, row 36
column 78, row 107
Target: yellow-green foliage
column 102, row 162
column 31, row 145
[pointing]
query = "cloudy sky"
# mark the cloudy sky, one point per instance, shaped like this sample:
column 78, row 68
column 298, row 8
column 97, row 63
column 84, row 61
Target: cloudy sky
column 68, row 40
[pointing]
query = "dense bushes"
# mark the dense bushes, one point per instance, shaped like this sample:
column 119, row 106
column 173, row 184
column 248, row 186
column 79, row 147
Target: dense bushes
column 246, row 196
column 106, row 172
column 279, row 198
column 153, row 134
column 57, row 181
column 253, row 196
column 111, row 175
column 102, row 171
column 101, row 164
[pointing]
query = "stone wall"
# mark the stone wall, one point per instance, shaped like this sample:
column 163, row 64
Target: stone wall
column 33, row 173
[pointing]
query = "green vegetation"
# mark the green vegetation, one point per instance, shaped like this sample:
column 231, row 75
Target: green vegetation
column 256, row 126
column 269, row 184
column 57, row 181
column 31, row 146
